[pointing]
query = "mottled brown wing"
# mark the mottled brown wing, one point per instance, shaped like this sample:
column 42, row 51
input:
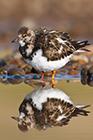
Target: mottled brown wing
column 56, row 47
column 55, row 108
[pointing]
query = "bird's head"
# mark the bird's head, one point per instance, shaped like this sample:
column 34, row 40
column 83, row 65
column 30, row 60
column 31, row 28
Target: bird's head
column 25, row 39
column 26, row 118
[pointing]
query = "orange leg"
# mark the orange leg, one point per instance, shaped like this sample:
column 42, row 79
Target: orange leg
column 53, row 78
column 42, row 76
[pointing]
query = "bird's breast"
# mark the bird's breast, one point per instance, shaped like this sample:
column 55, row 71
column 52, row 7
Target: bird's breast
column 41, row 63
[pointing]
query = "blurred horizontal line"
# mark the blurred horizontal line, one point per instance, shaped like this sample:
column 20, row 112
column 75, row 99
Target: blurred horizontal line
column 37, row 76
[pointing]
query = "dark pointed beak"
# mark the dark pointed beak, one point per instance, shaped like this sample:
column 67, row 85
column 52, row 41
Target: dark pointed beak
column 14, row 40
column 15, row 118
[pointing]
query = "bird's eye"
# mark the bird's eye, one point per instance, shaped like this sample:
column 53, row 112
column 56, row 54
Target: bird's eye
column 24, row 35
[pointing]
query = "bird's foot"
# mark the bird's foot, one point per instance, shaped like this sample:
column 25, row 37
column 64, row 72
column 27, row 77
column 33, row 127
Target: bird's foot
column 42, row 76
column 42, row 79
column 53, row 82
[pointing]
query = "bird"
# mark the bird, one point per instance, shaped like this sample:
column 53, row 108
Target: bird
column 47, row 107
column 47, row 50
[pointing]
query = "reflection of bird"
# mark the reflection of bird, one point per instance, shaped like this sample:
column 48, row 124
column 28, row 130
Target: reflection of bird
column 47, row 107
column 47, row 50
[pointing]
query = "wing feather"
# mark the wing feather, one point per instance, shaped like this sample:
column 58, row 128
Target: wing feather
column 56, row 47
column 58, row 112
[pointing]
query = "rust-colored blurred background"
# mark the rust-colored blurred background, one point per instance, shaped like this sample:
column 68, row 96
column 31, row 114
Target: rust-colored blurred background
column 73, row 16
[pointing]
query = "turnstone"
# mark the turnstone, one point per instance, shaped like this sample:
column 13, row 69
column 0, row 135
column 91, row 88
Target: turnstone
column 47, row 50
column 47, row 107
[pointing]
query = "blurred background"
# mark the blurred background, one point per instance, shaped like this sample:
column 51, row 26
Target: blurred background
column 73, row 16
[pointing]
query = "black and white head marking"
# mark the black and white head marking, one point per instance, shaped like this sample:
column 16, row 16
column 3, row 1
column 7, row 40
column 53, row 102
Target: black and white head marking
column 26, row 38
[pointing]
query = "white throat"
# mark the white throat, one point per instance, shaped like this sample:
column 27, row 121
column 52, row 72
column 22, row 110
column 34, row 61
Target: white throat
column 22, row 43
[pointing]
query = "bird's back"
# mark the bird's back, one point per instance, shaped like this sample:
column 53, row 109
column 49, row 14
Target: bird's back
column 57, row 45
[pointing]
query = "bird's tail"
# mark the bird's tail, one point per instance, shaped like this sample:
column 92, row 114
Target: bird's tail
column 80, row 44
column 80, row 109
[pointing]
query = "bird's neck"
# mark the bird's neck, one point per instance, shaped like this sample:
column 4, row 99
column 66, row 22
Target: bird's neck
column 37, row 44
column 23, row 52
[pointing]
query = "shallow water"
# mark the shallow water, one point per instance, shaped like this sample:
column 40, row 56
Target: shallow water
column 80, row 128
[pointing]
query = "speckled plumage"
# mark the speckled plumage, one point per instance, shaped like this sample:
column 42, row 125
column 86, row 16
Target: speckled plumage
column 56, row 48
column 47, row 107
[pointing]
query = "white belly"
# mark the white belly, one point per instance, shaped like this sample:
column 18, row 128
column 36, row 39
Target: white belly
column 40, row 62
column 41, row 95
